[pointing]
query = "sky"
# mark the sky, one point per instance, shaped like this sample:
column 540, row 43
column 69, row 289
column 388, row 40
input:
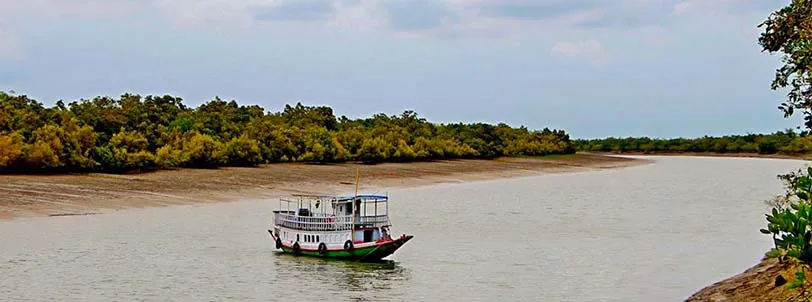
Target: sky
column 595, row 68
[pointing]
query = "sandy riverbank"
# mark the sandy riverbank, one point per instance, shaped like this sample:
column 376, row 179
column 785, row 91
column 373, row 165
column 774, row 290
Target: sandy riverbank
column 80, row 194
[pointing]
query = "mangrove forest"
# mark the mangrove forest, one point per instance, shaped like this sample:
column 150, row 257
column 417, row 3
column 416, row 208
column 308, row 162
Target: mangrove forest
column 787, row 142
column 142, row 133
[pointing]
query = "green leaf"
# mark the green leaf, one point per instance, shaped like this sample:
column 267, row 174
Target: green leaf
column 765, row 231
column 794, row 253
column 804, row 183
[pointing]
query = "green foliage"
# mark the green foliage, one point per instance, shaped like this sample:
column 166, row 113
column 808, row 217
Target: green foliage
column 129, row 152
column 790, row 224
column 140, row 133
column 788, row 30
column 243, row 151
column 781, row 142
column 322, row 146
column 11, row 149
column 202, row 150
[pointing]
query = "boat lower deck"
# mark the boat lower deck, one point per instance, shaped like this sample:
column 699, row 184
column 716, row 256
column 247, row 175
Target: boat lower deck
column 369, row 251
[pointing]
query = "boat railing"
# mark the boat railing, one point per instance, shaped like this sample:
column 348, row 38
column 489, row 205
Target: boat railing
column 380, row 220
column 326, row 223
column 313, row 223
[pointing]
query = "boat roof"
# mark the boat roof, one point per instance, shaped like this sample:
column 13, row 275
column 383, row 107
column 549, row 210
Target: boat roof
column 345, row 197
column 366, row 196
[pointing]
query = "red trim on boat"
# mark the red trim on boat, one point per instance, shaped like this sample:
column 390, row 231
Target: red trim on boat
column 374, row 244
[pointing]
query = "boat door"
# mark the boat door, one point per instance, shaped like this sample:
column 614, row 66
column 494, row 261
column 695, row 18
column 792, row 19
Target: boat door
column 368, row 235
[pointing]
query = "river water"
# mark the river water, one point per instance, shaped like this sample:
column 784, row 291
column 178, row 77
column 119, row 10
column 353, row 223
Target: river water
column 656, row 232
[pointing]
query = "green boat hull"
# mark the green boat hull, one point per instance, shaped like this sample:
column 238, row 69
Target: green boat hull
column 371, row 253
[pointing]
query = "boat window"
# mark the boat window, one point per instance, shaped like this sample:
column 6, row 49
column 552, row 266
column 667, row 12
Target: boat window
column 317, row 238
column 297, row 237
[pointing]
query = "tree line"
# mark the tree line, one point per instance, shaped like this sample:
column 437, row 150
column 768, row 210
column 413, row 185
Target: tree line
column 141, row 133
column 786, row 142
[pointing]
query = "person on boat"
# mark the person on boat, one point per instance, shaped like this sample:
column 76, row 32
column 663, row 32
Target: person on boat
column 385, row 231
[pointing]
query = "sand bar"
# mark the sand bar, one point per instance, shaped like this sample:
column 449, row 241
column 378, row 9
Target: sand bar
column 84, row 194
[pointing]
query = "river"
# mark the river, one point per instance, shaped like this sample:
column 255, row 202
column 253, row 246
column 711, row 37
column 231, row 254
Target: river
column 656, row 232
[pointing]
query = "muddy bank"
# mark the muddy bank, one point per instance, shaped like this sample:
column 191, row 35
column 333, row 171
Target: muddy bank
column 765, row 281
column 84, row 194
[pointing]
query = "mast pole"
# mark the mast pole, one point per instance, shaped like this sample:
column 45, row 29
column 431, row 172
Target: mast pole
column 352, row 228
column 357, row 176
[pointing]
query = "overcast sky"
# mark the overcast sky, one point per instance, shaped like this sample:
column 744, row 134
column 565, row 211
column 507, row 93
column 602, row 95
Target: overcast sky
column 662, row 68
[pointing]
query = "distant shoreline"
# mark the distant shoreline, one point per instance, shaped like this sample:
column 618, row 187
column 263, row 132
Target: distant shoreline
column 708, row 154
column 85, row 194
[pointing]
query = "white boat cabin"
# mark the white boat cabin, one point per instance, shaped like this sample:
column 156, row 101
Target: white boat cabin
column 311, row 220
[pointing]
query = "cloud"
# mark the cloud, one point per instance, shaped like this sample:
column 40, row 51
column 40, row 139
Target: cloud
column 434, row 17
column 66, row 8
column 533, row 9
column 589, row 48
column 428, row 18
column 601, row 14
column 656, row 41
column 191, row 13
column 9, row 44
column 631, row 14
column 359, row 14
column 299, row 10
column 9, row 47
column 417, row 15
column 687, row 7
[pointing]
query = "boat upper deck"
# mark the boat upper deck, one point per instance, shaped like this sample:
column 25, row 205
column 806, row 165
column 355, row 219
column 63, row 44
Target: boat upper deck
column 332, row 213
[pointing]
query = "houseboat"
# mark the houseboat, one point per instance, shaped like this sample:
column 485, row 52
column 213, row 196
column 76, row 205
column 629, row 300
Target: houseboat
column 343, row 227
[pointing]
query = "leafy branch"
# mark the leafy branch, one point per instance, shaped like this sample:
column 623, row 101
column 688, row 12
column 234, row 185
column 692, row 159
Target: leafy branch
column 790, row 224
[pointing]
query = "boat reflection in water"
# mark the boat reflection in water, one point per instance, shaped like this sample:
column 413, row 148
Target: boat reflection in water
column 363, row 281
